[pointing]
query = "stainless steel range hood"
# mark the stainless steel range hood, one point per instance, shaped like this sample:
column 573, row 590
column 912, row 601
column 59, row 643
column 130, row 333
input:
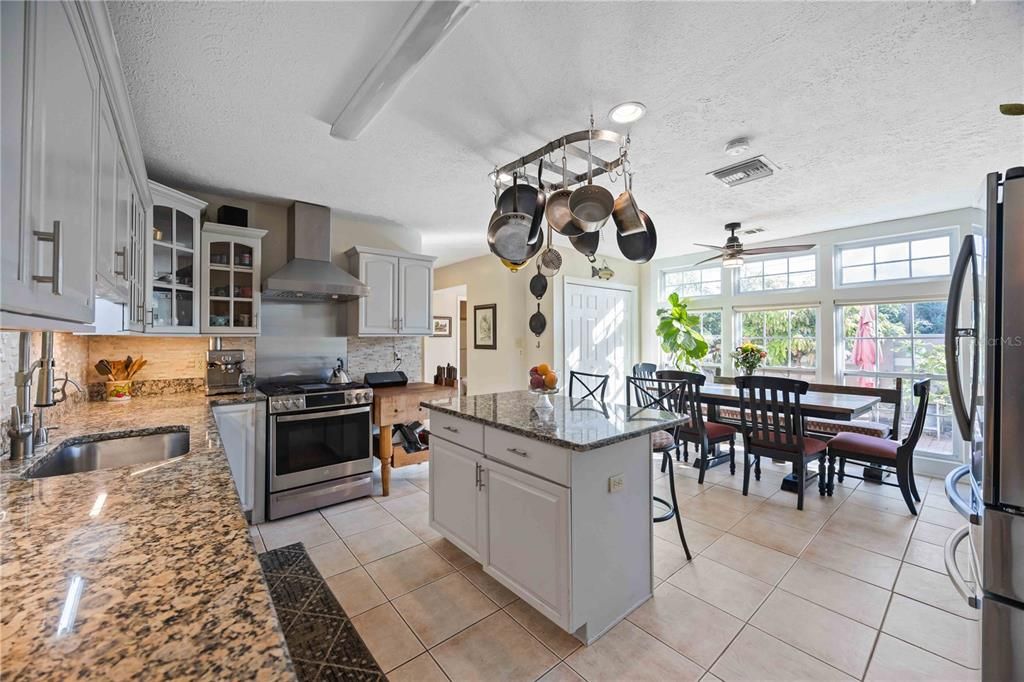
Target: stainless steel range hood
column 309, row 274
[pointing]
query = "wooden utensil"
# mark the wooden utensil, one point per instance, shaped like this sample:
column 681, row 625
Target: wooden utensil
column 103, row 368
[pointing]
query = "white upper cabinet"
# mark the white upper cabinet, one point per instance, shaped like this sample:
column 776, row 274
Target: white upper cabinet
column 52, row 239
column 172, row 305
column 401, row 293
column 230, row 290
column 69, row 143
column 415, row 296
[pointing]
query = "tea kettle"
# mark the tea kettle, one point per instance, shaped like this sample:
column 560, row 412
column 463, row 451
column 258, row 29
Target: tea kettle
column 339, row 375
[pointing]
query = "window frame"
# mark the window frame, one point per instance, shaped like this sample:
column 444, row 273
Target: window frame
column 738, row 274
column 950, row 233
column 663, row 274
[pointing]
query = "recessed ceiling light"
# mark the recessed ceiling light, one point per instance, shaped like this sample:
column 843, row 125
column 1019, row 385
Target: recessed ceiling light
column 504, row 177
column 627, row 112
column 738, row 146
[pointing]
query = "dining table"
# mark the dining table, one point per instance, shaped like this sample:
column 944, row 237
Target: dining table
column 843, row 407
column 840, row 406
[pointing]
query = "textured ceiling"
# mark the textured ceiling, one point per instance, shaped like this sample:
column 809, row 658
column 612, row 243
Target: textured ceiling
column 872, row 111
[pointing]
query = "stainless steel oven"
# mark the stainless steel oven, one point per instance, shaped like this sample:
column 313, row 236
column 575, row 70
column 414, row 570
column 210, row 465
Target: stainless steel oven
column 319, row 446
column 312, row 447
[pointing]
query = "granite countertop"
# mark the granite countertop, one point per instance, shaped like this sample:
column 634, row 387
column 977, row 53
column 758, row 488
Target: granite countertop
column 157, row 559
column 573, row 424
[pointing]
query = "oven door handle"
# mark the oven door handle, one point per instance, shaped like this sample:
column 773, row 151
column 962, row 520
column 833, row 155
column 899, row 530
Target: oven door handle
column 320, row 415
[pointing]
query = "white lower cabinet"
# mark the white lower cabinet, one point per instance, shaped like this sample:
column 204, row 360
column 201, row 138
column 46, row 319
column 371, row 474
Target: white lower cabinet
column 237, row 426
column 528, row 538
column 547, row 522
column 456, row 505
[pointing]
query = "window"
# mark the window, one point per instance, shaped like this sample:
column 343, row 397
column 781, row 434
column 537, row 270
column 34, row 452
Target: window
column 795, row 272
column 900, row 259
column 789, row 336
column 711, row 330
column 692, row 283
column 888, row 340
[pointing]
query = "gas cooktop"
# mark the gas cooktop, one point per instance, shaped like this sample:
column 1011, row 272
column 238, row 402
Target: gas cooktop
column 290, row 394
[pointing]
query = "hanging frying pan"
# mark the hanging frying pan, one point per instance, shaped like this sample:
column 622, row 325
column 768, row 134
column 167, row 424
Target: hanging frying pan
column 509, row 231
column 639, row 247
column 528, row 199
column 591, row 205
column 538, row 285
column 557, row 212
column 587, row 244
column 538, row 323
column 626, row 214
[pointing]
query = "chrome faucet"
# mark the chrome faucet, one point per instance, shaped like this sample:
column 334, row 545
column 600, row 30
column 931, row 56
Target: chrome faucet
column 24, row 439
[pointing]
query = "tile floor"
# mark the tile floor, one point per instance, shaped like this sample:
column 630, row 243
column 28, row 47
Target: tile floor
column 852, row 587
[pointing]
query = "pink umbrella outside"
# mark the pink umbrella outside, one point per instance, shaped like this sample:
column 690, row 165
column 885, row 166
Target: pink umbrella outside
column 865, row 355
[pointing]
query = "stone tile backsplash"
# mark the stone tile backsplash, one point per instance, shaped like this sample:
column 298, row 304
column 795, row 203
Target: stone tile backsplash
column 371, row 354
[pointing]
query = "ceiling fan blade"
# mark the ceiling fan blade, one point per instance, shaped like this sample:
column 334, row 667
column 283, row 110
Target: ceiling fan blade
column 778, row 249
column 716, row 248
column 708, row 260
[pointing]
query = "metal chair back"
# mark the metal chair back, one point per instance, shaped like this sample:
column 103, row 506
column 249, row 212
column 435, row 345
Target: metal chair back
column 591, row 385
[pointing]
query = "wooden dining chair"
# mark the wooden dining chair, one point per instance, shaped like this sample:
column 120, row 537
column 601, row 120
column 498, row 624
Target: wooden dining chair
column 591, row 385
column 772, row 426
column 706, row 435
column 883, row 452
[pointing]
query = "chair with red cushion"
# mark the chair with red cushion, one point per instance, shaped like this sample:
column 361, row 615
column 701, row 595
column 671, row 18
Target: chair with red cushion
column 883, row 452
column 705, row 435
column 773, row 427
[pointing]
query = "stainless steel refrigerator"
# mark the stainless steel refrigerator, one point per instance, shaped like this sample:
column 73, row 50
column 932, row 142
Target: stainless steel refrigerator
column 985, row 367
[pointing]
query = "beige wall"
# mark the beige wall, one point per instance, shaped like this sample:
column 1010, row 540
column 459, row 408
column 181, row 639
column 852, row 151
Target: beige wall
column 487, row 281
column 443, row 350
column 346, row 230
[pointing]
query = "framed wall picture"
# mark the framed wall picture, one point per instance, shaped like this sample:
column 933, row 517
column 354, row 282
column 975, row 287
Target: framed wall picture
column 442, row 326
column 485, row 326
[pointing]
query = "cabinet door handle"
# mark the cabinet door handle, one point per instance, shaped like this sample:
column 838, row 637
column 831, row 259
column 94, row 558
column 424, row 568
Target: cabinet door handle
column 476, row 467
column 152, row 315
column 450, row 428
column 517, row 451
column 57, row 266
column 123, row 272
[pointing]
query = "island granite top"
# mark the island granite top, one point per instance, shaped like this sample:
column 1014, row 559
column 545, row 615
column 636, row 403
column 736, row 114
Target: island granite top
column 143, row 571
column 573, row 424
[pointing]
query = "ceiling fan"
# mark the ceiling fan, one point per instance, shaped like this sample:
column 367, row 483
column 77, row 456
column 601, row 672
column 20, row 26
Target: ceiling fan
column 732, row 253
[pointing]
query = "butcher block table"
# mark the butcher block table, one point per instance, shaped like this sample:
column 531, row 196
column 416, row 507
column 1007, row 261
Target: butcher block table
column 401, row 405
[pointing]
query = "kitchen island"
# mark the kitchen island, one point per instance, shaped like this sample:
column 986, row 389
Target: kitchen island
column 552, row 496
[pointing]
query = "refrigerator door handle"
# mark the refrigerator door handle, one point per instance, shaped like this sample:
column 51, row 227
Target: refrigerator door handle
column 965, row 262
column 953, row 495
column 962, row 586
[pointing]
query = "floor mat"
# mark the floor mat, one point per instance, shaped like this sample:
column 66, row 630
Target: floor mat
column 323, row 643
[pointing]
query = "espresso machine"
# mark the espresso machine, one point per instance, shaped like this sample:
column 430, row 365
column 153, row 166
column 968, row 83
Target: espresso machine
column 224, row 369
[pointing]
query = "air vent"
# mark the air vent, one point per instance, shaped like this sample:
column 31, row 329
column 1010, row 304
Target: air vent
column 752, row 230
column 744, row 171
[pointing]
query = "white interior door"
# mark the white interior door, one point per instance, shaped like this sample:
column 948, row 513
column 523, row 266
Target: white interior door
column 598, row 333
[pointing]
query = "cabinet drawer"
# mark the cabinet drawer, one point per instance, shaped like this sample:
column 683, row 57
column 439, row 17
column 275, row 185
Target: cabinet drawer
column 459, row 431
column 526, row 454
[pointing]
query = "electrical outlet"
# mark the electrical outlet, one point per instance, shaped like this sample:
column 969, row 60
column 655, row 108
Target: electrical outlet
column 398, row 356
column 616, row 483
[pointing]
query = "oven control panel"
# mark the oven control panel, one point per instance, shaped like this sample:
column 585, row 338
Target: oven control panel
column 313, row 401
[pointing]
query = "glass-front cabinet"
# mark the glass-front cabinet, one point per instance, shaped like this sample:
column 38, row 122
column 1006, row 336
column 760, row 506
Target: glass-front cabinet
column 230, row 290
column 171, row 300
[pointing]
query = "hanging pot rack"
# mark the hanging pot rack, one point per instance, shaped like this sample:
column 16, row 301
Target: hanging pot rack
column 569, row 142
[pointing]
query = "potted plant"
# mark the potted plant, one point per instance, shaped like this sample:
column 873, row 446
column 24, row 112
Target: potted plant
column 680, row 335
column 748, row 357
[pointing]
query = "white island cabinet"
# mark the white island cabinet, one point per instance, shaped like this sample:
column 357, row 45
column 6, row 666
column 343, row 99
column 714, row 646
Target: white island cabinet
column 554, row 503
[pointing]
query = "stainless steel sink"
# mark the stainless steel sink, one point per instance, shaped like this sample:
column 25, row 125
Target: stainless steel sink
column 112, row 453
